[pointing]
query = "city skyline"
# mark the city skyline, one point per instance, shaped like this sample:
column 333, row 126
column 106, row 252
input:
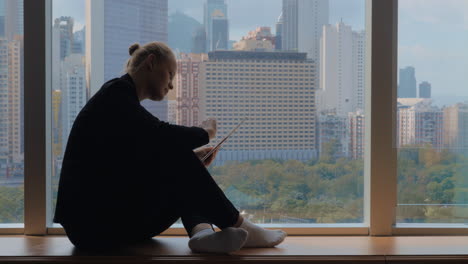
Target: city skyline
column 423, row 51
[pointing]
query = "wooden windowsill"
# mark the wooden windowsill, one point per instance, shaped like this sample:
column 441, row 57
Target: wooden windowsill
column 310, row 249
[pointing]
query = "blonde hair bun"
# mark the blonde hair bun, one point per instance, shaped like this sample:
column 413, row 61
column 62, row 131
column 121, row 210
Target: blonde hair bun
column 133, row 48
column 161, row 52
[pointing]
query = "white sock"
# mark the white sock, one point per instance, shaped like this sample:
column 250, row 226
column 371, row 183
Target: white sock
column 224, row 241
column 260, row 237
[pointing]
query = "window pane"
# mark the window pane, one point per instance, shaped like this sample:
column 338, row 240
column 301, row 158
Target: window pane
column 298, row 158
column 432, row 112
column 294, row 67
column 68, row 78
column 11, row 112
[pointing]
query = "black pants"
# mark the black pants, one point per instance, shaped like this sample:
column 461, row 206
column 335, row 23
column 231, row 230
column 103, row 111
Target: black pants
column 184, row 190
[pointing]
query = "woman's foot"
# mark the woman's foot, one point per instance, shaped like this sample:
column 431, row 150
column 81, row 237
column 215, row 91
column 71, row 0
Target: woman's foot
column 225, row 241
column 260, row 237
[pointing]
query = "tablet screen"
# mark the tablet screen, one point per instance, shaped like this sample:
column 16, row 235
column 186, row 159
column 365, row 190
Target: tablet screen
column 224, row 139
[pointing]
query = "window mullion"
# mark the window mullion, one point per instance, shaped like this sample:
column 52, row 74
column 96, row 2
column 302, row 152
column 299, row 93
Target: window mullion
column 37, row 23
column 381, row 155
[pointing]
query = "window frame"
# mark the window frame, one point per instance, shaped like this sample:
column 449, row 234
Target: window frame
column 380, row 162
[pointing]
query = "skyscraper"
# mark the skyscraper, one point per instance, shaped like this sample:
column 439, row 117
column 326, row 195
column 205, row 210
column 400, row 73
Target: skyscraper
column 342, row 73
column 303, row 21
column 425, row 90
column 65, row 26
column 4, row 105
column 199, row 40
column 15, row 72
column 219, row 31
column 279, row 33
column 2, row 18
column 11, row 70
column 11, row 18
column 407, row 85
column 73, row 92
column 111, row 27
column 79, row 40
column 181, row 30
column 216, row 9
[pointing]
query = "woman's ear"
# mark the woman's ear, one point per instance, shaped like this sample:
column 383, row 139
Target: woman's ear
column 150, row 62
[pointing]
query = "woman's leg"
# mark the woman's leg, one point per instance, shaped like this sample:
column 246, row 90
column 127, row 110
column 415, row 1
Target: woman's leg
column 196, row 195
column 204, row 202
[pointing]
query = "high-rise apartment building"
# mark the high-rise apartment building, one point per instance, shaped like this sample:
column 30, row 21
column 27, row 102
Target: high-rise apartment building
column 15, row 76
column 111, row 27
column 216, row 9
column 407, row 84
column 425, row 90
column 303, row 21
column 4, row 107
column 11, row 74
column 456, row 127
column 280, row 106
column 357, row 130
column 342, row 70
column 333, row 128
column 187, row 86
column 73, row 87
column 419, row 123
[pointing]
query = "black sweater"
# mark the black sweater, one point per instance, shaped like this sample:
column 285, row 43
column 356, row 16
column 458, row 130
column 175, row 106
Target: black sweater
column 114, row 145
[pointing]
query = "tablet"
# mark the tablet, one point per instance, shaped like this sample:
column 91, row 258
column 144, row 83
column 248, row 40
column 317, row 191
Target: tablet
column 222, row 140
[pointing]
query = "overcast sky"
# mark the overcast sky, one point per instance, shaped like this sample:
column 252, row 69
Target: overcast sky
column 433, row 34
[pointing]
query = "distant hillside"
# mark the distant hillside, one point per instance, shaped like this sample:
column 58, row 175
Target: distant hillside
column 181, row 28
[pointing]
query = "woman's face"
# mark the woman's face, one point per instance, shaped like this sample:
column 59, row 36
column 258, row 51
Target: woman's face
column 160, row 79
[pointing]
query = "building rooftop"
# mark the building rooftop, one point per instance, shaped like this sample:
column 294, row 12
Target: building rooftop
column 256, row 55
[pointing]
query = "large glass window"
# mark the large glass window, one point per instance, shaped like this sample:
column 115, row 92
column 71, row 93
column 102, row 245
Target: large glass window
column 432, row 112
column 296, row 68
column 69, row 88
column 11, row 112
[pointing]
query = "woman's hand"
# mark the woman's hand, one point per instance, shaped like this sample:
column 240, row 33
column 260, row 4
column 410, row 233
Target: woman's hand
column 210, row 126
column 201, row 152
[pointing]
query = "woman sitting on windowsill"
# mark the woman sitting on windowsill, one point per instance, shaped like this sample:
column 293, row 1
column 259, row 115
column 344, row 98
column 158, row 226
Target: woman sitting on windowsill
column 127, row 176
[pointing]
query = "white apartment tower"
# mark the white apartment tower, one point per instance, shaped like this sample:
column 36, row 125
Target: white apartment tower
column 342, row 69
